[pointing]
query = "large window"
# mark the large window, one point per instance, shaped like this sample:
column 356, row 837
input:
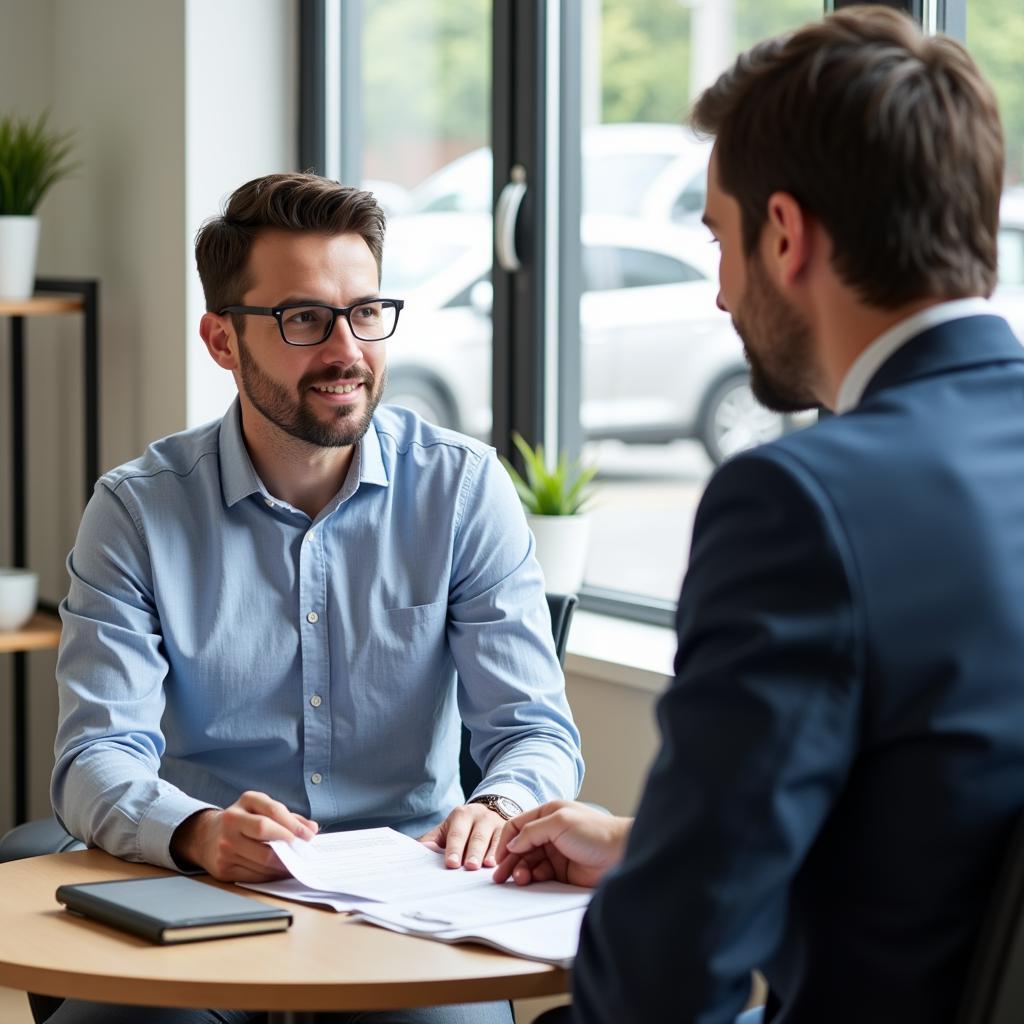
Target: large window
column 608, row 340
column 665, row 394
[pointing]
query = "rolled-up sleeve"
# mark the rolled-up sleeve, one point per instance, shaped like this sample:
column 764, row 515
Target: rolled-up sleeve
column 511, row 686
column 110, row 677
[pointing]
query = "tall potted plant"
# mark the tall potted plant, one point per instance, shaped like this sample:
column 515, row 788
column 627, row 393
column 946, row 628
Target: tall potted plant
column 32, row 159
column 554, row 500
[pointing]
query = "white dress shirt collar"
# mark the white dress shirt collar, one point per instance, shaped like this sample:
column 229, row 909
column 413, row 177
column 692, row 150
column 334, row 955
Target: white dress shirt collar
column 870, row 361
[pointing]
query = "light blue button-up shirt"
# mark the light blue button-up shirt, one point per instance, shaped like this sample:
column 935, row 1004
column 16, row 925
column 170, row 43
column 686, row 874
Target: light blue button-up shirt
column 216, row 639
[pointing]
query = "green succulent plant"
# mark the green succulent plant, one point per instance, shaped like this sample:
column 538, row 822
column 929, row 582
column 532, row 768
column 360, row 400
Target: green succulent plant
column 32, row 160
column 562, row 491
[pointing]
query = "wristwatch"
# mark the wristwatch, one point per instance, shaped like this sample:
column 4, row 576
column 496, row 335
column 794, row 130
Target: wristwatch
column 499, row 804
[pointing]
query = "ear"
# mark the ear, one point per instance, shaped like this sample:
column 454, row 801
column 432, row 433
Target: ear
column 219, row 335
column 786, row 238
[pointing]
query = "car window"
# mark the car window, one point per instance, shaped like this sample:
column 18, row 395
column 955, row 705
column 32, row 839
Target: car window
column 1011, row 256
column 615, row 183
column 690, row 200
column 610, row 266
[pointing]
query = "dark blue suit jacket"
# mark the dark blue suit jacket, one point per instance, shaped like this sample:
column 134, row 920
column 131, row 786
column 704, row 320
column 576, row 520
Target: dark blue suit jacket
column 843, row 745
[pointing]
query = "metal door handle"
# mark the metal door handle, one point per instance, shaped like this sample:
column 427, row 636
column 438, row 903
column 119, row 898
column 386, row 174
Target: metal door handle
column 506, row 213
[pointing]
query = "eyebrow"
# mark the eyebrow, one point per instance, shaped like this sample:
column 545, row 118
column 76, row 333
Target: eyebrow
column 307, row 300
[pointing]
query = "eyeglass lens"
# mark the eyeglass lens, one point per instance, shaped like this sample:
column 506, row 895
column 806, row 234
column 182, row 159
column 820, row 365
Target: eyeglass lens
column 309, row 325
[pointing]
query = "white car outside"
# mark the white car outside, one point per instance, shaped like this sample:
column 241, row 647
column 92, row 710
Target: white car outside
column 659, row 360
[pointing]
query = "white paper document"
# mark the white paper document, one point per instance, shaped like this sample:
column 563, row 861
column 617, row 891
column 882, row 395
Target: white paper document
column 293, row 889
column 552, row 939
column 396, row 882
column 375, row 863
column 487, row 905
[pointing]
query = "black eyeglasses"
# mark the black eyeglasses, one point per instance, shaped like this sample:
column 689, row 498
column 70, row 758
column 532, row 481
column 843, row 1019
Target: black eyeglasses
column 304, row 323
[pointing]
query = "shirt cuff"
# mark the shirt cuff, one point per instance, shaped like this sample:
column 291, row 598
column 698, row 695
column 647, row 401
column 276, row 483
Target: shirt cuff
column 157, row 826
column 518, row 794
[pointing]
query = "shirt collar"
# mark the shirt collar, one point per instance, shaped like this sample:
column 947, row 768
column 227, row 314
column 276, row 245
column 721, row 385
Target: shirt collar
column 868, row 363
column 239, row 478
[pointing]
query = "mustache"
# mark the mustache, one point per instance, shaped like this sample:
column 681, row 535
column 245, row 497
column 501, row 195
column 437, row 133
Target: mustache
column 356, row 373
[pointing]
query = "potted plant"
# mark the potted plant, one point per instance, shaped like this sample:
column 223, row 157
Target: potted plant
column 32, row 160
column 554, row 500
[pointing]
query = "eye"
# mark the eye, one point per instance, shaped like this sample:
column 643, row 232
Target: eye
column 305, row 316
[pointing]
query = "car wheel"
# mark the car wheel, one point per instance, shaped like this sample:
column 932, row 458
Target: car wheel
column 732, row 420
column 425, row 396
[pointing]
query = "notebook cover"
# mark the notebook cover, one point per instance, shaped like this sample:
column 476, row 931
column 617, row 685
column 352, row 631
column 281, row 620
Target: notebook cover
column 172, row 909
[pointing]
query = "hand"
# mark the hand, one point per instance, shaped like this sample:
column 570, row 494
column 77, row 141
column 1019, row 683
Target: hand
column 468, row 837
column 232, row 844
column 561, row 841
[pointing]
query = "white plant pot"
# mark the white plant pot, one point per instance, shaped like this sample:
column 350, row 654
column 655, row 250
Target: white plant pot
column 19, row 590
column 561, row 550
column 19, row 243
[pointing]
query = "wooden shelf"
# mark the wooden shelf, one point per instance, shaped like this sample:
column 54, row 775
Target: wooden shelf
column 42, row 305
column 40, row 633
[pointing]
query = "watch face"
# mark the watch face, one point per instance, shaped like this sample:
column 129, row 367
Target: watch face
column 507, row 808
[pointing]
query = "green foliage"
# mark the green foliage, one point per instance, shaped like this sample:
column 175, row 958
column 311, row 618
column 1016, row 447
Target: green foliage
column 545, row 492
column 995, row 38
column 32, row 160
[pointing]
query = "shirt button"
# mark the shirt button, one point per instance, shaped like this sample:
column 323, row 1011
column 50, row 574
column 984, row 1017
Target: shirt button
column 316, row 700
column 312, row 617
column 310, row 536
column 268, row 503
column 316, row 778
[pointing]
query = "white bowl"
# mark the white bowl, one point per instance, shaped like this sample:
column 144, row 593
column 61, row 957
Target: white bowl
column 19, row 589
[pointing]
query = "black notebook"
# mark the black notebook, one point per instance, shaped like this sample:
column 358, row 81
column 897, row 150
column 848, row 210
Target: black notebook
column 172, row 909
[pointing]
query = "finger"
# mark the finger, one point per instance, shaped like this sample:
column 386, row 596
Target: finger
column 263, row 806
column 491, row 856
column 520, row 821
column 505, row 867
column 435, row 835
column 457, row 827
column 308, row 822
column 479, row 842
column 509, row 865
column 539, row 832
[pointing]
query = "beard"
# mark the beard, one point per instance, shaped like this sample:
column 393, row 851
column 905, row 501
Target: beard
column 295, row 414
column 777, row 342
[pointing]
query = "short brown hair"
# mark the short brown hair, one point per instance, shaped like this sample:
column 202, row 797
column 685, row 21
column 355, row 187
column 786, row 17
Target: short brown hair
column 289, row 202
column 890, row 139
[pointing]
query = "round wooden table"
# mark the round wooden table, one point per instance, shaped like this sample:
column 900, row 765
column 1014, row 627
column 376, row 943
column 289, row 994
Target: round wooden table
column 324, row 961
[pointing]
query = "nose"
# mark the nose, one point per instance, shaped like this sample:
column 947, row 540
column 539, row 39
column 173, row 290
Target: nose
column 341, row 346
column 720, row 304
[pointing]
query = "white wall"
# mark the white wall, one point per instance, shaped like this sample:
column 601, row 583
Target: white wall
column 241, row 98
column 175, row 102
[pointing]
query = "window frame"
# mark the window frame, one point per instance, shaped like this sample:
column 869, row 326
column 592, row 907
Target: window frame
column 536, row 124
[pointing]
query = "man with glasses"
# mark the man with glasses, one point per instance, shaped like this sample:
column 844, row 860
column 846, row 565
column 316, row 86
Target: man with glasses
column 278, row 622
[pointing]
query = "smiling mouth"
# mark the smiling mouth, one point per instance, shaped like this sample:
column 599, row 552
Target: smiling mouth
column 338, row 389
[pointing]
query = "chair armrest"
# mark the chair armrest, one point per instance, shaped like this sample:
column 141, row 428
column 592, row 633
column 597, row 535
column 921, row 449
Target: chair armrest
column 35, row 838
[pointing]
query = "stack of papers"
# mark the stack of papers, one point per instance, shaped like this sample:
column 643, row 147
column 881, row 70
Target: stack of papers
column 396, row 882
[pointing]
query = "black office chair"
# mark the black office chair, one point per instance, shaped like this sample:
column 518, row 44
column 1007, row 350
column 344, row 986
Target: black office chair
column 994, row 993
column 47, row 835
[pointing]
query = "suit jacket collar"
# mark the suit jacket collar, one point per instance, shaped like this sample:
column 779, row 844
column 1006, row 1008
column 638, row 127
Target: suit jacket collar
column 954, row 345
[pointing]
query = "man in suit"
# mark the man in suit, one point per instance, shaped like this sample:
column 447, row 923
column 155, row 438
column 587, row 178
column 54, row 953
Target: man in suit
column 843, row 745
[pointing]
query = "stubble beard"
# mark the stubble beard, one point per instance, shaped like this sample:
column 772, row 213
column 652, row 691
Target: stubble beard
column 295, row 414
column 778, row 345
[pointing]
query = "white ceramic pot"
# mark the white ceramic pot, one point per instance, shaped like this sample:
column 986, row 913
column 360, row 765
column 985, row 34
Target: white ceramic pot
column 561, row 550
column 19, row 589
column 19, row 243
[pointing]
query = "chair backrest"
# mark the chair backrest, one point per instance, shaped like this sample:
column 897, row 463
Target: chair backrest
column 561, row 607
column 994, row 993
